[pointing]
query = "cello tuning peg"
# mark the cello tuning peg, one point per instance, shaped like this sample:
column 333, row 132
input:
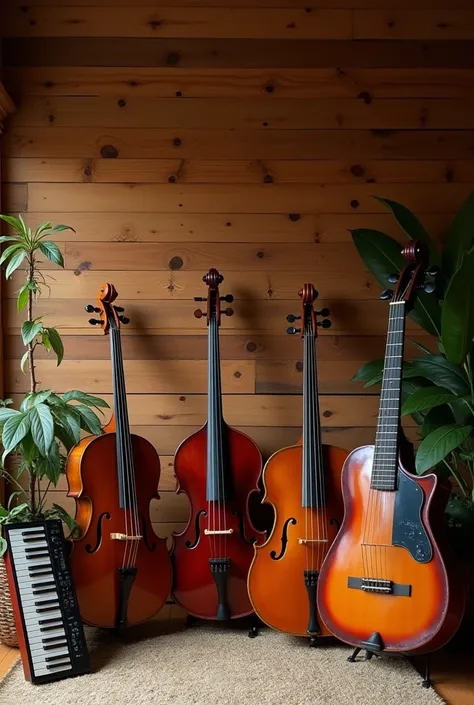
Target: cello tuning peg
column 433, row 271
column 428, row 287
column 96, row 322
column 92, row 309
column 325, row 324
column 220, row 279
column 324, row 312
column 124, row 319
column 293, row 331
column 198, row 313
column 386, row 294
column 291, row 318
column 228, row 311
column 228, row 298
column 119, row 309
column 393, row 278
column 199, row 298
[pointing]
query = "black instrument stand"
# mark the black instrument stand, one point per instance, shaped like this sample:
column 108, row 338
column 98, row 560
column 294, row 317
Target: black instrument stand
column 426, row 682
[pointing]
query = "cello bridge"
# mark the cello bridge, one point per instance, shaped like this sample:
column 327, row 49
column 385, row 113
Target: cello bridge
column 209, row 532
column 305, row 541
column 124, row 537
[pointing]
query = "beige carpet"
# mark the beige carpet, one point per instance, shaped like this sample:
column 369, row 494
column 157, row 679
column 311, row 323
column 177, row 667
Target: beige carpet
column 205, row 665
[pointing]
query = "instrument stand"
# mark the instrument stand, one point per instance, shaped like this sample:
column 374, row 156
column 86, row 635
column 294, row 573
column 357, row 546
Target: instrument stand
column 190, row 620
column 254, row 626
column 426, row 682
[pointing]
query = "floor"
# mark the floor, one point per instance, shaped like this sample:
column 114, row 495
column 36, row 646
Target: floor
column 452, row 673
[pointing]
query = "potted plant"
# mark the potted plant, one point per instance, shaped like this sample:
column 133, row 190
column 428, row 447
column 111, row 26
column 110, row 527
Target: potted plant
column 37, row 435
column 438, row 386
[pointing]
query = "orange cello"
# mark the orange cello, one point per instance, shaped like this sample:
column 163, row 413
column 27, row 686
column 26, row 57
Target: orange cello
column 302, row 483
column 218, row 468
column 121, row 569
column 385, row 585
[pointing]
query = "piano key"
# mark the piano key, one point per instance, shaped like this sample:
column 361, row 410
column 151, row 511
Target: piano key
column 59, row 657
column 53, row 639
column 43, row 583
column 36, row 637
column 48, row 671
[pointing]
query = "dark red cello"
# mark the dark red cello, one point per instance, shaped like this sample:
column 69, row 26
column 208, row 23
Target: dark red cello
column 218, row 468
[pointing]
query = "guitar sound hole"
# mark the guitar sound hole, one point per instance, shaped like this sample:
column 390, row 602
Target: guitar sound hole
column 284, row 540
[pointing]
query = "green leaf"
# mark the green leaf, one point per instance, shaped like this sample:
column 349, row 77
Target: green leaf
column 52, row 252
column 15, row 223
column 457, row 322
column 41, row 230
column 460, row 237
column 45, row 339
column 14, row 429
column 87, row 399
column 8, row 238
column 40, row 397
column 22, row 299
column 442, row 373
column 10, row 251
column 371, row 373
column 29, row 330
column 410, row 224
column 66, row 439
column 6, row 414
column 3, row 546
column 68, row 419
column 418, row 345
column 42, row 427
column 17, row 511
column 66, row 518
column 427, row 398
column 439, row 444
column 409, row 387
column 24, row 359
column 56, row 343
column 89, row 421
column 61, row 228
column 14, row 263
column 51, row 465
column 28, row 448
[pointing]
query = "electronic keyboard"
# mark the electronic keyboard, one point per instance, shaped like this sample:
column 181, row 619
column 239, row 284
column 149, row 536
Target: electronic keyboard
column 47, row 619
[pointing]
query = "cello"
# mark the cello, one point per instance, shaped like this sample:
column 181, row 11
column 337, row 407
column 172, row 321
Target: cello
column 385, row 585
column 302, row 482
column 218, row 468
column 121, row 569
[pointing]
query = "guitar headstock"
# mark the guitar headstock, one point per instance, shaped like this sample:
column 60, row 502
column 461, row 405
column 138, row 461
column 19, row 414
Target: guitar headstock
column 412, row 278
column 308, row 295
column 213, row 279
column 110, row 315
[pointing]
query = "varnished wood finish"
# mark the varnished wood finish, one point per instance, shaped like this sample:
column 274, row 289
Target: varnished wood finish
column 276, row 587
column 425, row 620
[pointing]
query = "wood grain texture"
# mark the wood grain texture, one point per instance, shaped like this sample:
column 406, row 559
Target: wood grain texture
column 249, row 136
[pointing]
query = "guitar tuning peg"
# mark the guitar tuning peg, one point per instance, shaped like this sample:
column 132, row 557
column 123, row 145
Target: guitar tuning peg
column 386, row 294
column 92, row 309
column 433, row 271
column 325, row 324
column 119, row 309
column 198, row 313
column 199, row 298
column 393, row 278
column 96, row 322
column 324, row 312
column 228, row 298
column 228, row 311
column 428, row 287
column 291, row 318
column 293, row 331
column 124, row 319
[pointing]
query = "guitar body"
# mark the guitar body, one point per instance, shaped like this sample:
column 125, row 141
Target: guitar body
column 276, row 580
column 96, row 558
column 194, row 586
column 388, row 536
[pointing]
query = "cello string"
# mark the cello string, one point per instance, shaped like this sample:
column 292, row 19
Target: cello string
column 322, row 509
column 210, row 477
column 220, row 438
column 118, row 432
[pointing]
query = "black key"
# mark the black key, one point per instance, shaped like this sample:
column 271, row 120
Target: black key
column 50, row 629
column 47, row 602
column 46, row 591
column 34, row 549
column 56, row 646
column 50, row 621
column 43, row 585
column 43, row 610
column 37, row 555
column 33, row 532
column 39, row 566
column 51, row 666
column 49, row 639
column 34, row 539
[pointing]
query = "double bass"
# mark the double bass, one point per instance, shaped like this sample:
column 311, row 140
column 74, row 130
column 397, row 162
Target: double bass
column 218, row 468
column 385, row 584
column 302, row 482
column 121, row 569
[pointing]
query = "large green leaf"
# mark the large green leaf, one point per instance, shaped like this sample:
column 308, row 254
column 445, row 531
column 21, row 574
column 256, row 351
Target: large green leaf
column 5, row 414
column 427, row 398
column 382, row 255
column 52, row 252
column 16, row 223
column 42, row 427
column 371, row 373
column 14, row 263
column 439, row 444
column 69, row 420
column 50, row 466
column 460, row 237
column 457, row 322
column 3, row 546
column 435, row 418
column 88, row 420
column 10, row 251
column 56, row 343
column 87, row 399
column 442, row 373
column 410, row 224
column 16, row 427
column 29, row 330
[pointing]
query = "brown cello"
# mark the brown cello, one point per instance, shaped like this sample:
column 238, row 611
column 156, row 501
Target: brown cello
column 121, row 569
column 218, row 468
column 302, row 483
column 385, row 585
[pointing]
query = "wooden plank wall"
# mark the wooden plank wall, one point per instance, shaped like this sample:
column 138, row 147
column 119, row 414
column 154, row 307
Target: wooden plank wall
column 241, row 134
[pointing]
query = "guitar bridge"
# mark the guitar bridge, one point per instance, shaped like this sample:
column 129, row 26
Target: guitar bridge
column 208, row 532
column 124, row 537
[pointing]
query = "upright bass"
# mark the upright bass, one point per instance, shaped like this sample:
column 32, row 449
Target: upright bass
column 121, row 569
column 302, row 482
column 385, row 584
column 218, row 468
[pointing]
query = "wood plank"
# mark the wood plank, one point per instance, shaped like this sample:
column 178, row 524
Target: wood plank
column 231, row 227
column 324, row 171
column 331, row 348
column 143, row 376
column 236, row 53
column 286, row 377
column 255, row 113
column 446, row 23
column 222, row 22
column 238, row 198
column 348, row 317
column 350, row 4
column 121, row 82
column 14, row 196
column 8, row 658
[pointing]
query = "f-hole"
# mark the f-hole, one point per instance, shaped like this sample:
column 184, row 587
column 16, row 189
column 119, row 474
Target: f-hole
column 252, row 539
column 150, row 546
column 197, row 529
column 284, row 540
column 98, row 541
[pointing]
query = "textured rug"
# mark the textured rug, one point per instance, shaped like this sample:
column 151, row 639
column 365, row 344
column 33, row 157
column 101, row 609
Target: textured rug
column 205, row 665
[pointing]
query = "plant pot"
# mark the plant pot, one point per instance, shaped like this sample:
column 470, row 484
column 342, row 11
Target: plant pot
column 8, row 635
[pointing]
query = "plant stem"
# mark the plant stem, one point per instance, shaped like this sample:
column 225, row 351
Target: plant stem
column 43, row 498
column 13, row 480
column 33, row 382
column 458, row 478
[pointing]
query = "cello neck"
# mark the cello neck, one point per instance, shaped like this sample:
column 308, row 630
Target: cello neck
column 215, row 447
column 125, row 468
column 313, row 475
column 385, row 463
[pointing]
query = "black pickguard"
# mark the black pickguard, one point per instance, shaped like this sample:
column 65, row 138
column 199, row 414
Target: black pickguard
column 284, row 540
column 408, row 529
column 89, row 547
